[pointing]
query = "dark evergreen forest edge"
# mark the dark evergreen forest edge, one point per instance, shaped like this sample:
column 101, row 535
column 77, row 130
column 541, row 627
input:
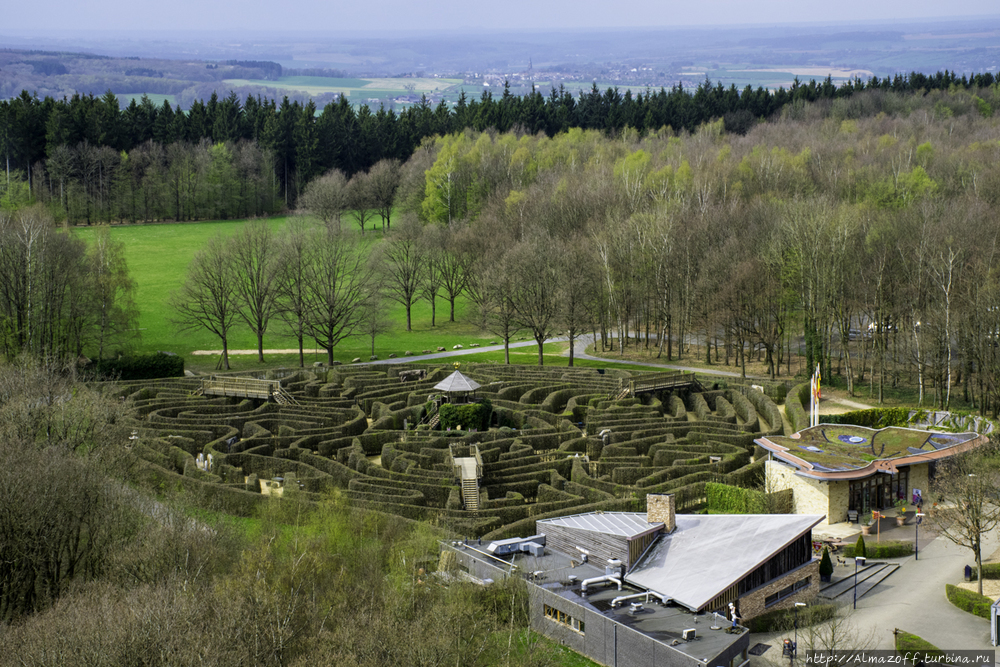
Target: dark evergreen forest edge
column 92, row 160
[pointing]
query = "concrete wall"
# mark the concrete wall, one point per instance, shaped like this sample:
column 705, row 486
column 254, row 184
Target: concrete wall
column 610, row 643
column 809, row 496
column 752, row 604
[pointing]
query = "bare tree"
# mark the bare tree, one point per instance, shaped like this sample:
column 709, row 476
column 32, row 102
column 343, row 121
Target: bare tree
column 339, row 279
column 491, row 288
column 968, row 483
column 255, row 264
column 402, row 264
column 376, row 319
column 360, row 200
column 535, row 292
column 290, row 281
column 326, row 197
column 113, row 308
column 384, row 179
column 209, row 298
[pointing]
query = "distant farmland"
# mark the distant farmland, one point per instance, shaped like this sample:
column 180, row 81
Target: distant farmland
column 357, row 90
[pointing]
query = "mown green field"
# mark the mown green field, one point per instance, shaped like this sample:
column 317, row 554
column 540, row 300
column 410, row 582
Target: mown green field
column 158, row 256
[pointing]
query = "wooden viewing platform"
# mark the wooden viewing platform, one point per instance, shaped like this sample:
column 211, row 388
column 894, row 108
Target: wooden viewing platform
column 644, row 384
column 237, row 387
column 468, row 470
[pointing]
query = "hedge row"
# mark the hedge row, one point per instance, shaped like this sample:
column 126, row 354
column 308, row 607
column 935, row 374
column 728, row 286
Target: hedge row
column 875, row 418
column 891, row 549
column 969, row 601
column 138, row 366
column 795, row 404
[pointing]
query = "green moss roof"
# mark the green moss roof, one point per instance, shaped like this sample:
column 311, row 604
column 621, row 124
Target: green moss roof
column 836, row 447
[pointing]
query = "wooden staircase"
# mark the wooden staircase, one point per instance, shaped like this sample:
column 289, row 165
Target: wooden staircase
column 470, row 494
column 435, row 421
column 282, row 397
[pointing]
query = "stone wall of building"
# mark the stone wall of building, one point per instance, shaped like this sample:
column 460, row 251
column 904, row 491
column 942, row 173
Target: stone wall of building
column 752, row 604
column 809, row 496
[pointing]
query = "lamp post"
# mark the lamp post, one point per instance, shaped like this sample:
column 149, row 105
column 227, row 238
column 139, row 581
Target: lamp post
column 916, row 536
column 860, row 560
column 795, row 645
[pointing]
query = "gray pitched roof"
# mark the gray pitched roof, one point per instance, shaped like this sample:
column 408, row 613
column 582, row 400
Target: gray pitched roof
column 625, row 524
column 708, row 553
column 457, row 382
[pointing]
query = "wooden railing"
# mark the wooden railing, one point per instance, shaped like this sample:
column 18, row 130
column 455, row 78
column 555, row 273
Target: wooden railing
column 660, row 381
column 241, row 387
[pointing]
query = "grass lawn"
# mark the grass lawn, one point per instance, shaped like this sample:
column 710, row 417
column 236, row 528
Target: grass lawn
column 158, row 256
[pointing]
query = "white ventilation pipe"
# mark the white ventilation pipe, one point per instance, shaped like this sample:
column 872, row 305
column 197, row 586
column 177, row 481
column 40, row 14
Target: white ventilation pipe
column 596, row 580
column 622, row 598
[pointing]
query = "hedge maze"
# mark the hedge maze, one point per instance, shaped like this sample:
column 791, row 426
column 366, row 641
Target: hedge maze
column 558, row 442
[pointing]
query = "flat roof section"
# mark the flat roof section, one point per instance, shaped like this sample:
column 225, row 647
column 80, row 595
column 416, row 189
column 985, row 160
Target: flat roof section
column 708, row 553
column 623, row 524
column 842, row 451
column 665, row 623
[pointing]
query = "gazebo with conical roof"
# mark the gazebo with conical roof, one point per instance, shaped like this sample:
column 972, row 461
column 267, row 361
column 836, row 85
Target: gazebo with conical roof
column 457, row 385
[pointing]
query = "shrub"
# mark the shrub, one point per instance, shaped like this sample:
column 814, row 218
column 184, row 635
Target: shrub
column 473, row 415
column 139, row 366
column 881, row 550
column 825, row 564
column 859, row 548
column 969, row 601
column 725, row 499
column 795, row 409
column 873, row 418
column 990, row 571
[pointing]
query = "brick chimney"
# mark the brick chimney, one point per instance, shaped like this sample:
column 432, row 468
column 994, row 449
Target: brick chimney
column 661, row 508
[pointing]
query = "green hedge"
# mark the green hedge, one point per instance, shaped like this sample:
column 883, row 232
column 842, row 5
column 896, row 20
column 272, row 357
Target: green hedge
column 881, row 549
column 990, row 571
column 725, row 499
column 974, row 603
column 138, row 366
column 872, row 418
column 795, row 408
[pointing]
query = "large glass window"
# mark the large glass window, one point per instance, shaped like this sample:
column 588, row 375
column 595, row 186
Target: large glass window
column 879, row 491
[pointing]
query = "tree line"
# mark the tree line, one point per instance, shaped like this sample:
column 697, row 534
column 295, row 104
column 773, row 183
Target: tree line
column 862, row 225
column 302, row 142
column 60, row 296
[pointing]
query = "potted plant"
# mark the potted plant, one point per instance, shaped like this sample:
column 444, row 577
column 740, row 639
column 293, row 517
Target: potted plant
column 901, row 515
column 825, row 566
column 866, row 523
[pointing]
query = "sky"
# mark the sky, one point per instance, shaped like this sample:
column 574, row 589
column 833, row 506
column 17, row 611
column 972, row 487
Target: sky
column 403, row 15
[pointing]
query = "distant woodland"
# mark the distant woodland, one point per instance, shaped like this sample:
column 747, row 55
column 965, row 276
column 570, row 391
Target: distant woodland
column 94, row 161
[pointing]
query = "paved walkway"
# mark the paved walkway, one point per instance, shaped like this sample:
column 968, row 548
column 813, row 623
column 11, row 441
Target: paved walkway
column 579, row 347
column 580, row 352
column 912, row 599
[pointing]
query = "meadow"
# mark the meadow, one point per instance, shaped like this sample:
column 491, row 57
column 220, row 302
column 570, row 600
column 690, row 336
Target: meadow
column 158, row 257
column 357, row 89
